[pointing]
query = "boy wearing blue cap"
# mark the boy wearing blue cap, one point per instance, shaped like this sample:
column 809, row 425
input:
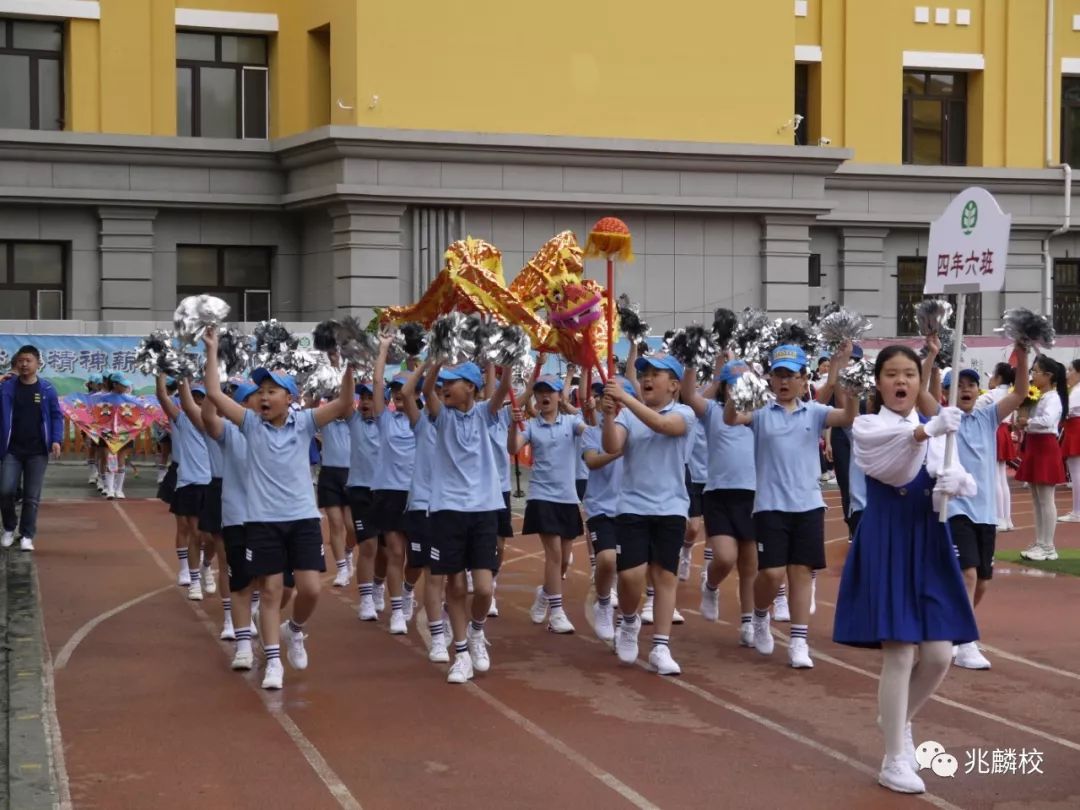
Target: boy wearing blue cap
column 551, row 510
column 282, row 529
column 464, row 504
column 650, row 522
column 363, row 459
column 192, row 479
column 789, row 512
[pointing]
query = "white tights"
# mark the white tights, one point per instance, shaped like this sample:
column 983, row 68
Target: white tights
column 1045, row 514
column 906, row 686
column 1073, row 463
column 1004, row 495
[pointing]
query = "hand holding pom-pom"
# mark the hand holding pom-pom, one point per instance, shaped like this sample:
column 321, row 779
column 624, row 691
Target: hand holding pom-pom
column 358, row 347
column 750, row 393
column 1026, row 329
column 195, row 313
column 858, row 377
column 152, row 351
column 630, row 324
column 233, row 351
column 695, row 348
column 840, row 325
column 934, row 316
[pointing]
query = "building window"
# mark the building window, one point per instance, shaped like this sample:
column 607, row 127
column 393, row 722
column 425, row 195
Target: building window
column 31, row 75
column 910, row 278
column 222, row 82
column 935, row 118
column 814, row 270
column 240, row 276
column 802, row 103
column 31, row 281
column 1067, row 296
column 1070, row 120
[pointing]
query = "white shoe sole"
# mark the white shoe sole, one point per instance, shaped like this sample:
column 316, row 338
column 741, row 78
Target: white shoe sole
column 243, row 664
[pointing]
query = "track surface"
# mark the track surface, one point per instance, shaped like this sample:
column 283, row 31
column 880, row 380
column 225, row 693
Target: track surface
column 151, row 716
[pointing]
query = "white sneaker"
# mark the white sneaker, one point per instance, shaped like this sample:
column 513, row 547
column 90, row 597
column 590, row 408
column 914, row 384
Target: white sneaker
column 710, row 603
column 660, row 661
column 119, row 494
column 781, row 610
column 539, row 609
column 468, row 580
column 969, row 656
column 647, row 611
column 626, row 642
column 461, row 670
column 763, row 639
column 274, row 677
column 909, row 748
column 1011, row 526
column 398, row 625
column 813, row 596
column 746, row 634
column 379, row 597
column 342, row 578
column 209, row 581
column 437, row 652
column 602, row 623
column 228, row 632
column 109, row 495
column 677, row 618
column 408, row 608
column 558, row 622
column 160, row 475
column 183, row 577
column 799, row 654
column 8, row 540
column 195, row 592
column 1002, row 526
column 898, row 775
column 1071, row 517
column 366, row 612
column 493, row 609
column 243, row 660
column 294, row 642
column 478, row 644
column 1039, row 554
column 27, row 544
column 93, row 478
column 684, row 563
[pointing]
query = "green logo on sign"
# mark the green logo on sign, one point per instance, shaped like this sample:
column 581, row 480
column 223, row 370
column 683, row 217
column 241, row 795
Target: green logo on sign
column 969, row 217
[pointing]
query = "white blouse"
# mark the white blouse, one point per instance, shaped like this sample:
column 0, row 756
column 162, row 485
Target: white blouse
column 1047, row 414
column 993, row 397
column 1074, row 402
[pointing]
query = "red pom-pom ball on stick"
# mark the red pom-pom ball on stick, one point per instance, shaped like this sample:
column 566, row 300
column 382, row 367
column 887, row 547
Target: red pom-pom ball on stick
column 610, row 239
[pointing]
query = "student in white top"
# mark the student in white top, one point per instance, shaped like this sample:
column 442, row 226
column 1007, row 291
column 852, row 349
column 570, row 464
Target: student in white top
column 1042, row 466
column 1001, row 382
column 1070, row 441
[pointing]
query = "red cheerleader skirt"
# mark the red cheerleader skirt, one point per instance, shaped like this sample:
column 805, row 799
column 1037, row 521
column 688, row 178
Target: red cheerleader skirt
column 1006, row 447
column 1070, row 440
column 1042, row 462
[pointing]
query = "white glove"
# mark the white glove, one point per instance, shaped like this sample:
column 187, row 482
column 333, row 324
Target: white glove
column 955, row 481
column 946, row 421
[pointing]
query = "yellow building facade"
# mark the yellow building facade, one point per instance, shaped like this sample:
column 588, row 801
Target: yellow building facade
column 781, row 153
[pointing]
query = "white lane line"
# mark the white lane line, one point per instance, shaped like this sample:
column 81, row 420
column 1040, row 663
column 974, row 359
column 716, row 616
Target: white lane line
column 314, row 757
column 73, row 642
column 605, row 777
column 53, row 738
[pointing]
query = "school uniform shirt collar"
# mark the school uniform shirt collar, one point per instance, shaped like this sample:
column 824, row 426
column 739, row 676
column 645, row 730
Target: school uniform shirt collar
column 542, row 422
column 290, row 420
column 890, row 417
column 799, row 406
column 668, row 407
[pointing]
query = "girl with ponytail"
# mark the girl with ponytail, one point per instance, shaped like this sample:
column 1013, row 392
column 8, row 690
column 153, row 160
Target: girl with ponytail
column 1042, row 465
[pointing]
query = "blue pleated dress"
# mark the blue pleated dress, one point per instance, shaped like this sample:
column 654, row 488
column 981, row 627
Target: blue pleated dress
column 902, row 580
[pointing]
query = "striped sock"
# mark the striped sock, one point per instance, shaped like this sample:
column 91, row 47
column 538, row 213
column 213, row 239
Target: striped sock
column 397, row 603
column 744, row 618
column 604, row 601
column 254, row 600
column 243, row 639
column 273, row 652
column 365, row 588
column 661, row 641
column 409, row 586
column 435, row 628
column 798, row 631
column 813, row 575
column 226, row 606
column 782, row 593
column 342, row 565
column 708, row 554
column 461, row 647
column 477, row 627
column 650, row 591
column 761, row 614
column 629, row 619
column 554, row 602
column 194, row 572
column 181, row 554
column 711, row 588
column 592, row 559
column 295, row 628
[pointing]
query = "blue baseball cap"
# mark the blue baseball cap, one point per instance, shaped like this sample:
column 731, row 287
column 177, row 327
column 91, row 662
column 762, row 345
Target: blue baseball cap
column 732, row 370
column 196, row 388
column 470, row 372
column 663, row 362
column 95, row 378
column 279, row 378
column 970, row 373
column 548, row 381
column 856, row 352
column 793, row 358
column 401, row 379
column 120, row 378
column 243, row 391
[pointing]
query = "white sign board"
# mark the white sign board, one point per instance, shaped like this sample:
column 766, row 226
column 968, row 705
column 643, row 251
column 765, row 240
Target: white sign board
column 969, row 245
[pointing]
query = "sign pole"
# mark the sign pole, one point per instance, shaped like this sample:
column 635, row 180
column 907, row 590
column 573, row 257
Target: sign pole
column 954, row 392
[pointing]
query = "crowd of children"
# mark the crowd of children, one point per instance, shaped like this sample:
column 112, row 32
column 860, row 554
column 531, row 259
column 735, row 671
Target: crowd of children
column 414, row 485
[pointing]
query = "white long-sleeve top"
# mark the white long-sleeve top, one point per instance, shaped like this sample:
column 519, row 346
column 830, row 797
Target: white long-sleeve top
column 993, row 397
column 1047, row 414
column 1074, row 402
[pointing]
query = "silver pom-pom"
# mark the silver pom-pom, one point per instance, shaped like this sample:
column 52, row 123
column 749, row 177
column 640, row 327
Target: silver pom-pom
column 750, row 393
column 452, row 339
column 630, row 324
column 234, row 351
column 945, row 356
column 485, row 335
column 152, row 351
column 522, row 372
column 511, row 345
column 805, row 335
column 272, row 340
column 358, row 347
column 1027, row 329
column 323, row 382
column 933, row 315
column 195, row 313
column 694, row 347
column 858, row 377
column 841, row 325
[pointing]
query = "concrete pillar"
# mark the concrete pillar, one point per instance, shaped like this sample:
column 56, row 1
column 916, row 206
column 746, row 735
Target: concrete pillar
column 127, row 263
column 785, row 254
column 1023, row 275
column 370, row 257
column 863, row 277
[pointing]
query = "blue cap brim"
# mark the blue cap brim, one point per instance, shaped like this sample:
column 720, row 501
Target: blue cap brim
column 790, row 365
column 195, row 389
column 243, row 391
column 260, row 375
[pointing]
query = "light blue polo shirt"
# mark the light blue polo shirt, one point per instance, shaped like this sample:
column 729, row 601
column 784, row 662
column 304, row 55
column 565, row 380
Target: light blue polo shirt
column 554, row 467
column 420, row 489
column 786, row 452
column 654, row 467
column 364, row 453
column 605, row 483
column 194, row 460
column 336, row 444
column 697, row 458
column 498, row 430
column 213, row 453
column 463, row 476
column 730, row 451
column 233, row 448
column 279, row 476
column 976, row 444
column 582, row 469
column 397, row 452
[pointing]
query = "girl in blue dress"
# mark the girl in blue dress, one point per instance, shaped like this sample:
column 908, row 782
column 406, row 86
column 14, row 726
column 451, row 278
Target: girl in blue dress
column 902, row 589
